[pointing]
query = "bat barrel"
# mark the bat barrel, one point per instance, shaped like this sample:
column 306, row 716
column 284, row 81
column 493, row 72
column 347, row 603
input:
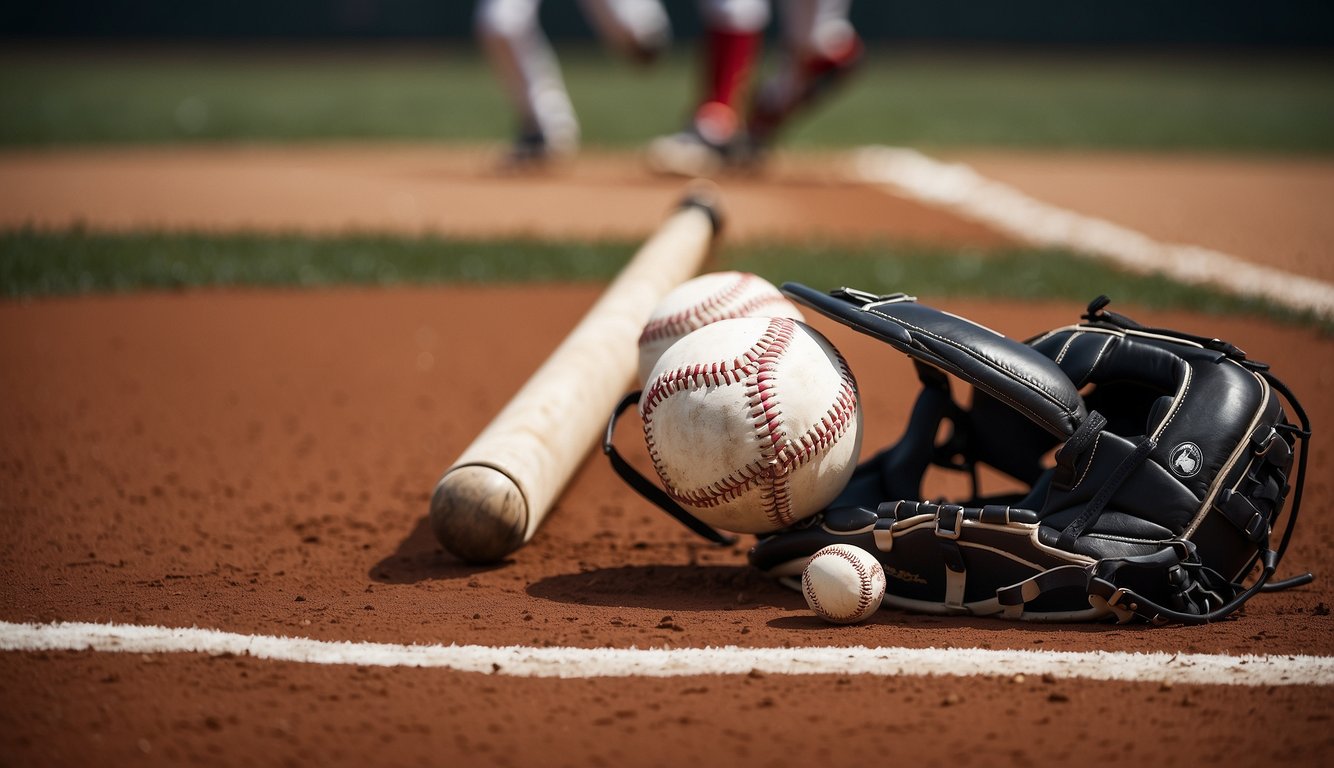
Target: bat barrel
column 479, row 513
column 493, row 498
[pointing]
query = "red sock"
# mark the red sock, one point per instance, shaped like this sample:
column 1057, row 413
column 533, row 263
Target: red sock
column 727, row 62
column 815, row 74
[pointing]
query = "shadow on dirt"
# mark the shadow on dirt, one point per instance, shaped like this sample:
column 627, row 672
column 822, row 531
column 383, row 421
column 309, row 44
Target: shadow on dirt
column 667, row 587
column 419, row 557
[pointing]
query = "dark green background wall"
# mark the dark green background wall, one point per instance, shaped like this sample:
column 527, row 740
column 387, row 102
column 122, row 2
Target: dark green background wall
column 1262, row 23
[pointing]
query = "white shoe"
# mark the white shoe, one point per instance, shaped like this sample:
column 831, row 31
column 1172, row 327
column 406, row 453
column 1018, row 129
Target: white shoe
column 702, row 149
column 684, row 154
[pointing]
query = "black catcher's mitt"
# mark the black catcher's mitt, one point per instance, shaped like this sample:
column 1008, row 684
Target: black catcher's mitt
column 1169, row 477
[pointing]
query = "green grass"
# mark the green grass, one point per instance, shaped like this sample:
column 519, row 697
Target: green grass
column 36, row 264
column 1236, row 102
column 1093, row 102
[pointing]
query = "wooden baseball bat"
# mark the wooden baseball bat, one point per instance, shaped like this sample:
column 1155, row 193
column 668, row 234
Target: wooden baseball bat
column 492, row 499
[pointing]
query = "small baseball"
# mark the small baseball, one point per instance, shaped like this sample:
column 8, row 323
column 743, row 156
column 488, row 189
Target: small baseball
column 752, row 423
column 707, row 299
column 843, row 584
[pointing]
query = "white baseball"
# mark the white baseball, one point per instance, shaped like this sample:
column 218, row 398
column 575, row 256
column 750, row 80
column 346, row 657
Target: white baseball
column 843, row 584
column 752, row 423
column 707, row 299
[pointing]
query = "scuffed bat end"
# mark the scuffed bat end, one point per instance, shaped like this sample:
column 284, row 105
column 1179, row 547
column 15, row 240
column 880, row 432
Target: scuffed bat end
column 478, row 514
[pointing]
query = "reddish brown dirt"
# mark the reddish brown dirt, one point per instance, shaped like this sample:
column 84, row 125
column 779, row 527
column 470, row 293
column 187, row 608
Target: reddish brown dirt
column 437, row 189
column 259, row 461
column 169, row 710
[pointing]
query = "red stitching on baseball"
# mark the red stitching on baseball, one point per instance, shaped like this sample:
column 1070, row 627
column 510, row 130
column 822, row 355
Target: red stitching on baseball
column 779, row 456
column 720, row 373
column 864, row 581
column 814, row 601
column 680, row 323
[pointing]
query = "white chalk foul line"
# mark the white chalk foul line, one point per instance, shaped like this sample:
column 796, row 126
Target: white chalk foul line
column 522, row 661
column 966, row 192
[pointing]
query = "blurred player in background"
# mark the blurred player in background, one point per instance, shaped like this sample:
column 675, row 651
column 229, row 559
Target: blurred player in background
column 522, row 57
column 819, row 48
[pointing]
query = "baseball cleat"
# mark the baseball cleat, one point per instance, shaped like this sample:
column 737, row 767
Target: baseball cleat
column 684, row 154
column 705, row 147
column 532, row 151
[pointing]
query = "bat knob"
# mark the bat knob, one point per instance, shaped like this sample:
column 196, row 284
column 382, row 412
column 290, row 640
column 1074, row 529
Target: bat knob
column 705, row 195
column 478, row 514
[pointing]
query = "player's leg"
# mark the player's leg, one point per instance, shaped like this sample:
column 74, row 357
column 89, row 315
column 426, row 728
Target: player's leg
column 820, row 48
column 733, row 31
column 638, row 29
column 522, row 57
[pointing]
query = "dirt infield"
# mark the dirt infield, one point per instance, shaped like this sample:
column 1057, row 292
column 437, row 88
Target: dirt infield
column 443, row 190
column 260, row 462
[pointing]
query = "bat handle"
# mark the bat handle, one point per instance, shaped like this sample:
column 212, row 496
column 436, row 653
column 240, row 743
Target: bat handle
column 502, row 486
column 479, row 513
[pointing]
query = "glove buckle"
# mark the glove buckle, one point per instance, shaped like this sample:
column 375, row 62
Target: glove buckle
column 869, row 299
column 955, row 521
column 1263, row 444
column 1257, row 527
column 1112, row 603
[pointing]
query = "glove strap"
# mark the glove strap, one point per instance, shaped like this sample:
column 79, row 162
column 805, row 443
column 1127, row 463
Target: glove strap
column 1099, row 502
column 1070, row 453
column 647, row 489
column 1098, row 313
column 1304, row 436
column 1201, row 611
